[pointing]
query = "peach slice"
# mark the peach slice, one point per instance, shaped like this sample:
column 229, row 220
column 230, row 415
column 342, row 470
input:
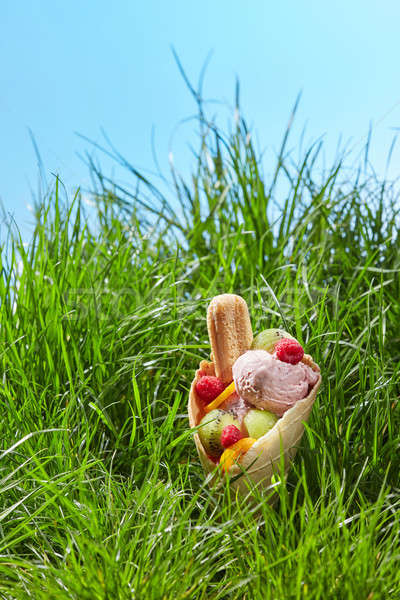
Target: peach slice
column 233, row 452
column 228, row 391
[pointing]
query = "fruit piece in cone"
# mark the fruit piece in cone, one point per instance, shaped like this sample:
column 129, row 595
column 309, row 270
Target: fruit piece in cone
column 231, row 454
column 210, row 429
column 228, row 391
column 230, row 332
column 267, row 339
column 259, row 422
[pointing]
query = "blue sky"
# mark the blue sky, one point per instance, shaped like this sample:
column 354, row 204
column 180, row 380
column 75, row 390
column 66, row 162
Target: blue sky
column 76, row 67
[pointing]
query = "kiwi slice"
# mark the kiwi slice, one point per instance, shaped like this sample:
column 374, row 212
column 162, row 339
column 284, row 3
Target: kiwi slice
column 259, row 422
column 211, row 427
column 267, row 339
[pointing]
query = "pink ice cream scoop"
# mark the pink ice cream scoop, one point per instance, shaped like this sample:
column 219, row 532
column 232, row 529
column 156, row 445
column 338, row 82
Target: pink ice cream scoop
column 268, row 383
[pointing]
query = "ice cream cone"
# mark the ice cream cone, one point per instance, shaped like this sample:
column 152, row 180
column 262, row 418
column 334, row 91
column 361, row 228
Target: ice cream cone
column 264, row 458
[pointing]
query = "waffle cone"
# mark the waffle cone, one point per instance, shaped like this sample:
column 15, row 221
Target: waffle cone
column 264, row 458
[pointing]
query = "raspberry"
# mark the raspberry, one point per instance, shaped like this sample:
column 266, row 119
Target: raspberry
column 208, row 388
column 215, row 459
column 230, row 435
column 289, row 351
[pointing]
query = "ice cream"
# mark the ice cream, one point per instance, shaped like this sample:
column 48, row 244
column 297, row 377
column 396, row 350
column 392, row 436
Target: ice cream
column 270, row 384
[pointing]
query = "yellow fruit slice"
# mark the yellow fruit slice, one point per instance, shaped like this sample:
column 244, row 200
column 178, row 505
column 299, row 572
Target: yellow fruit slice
column 228, row 391
column 233, row 452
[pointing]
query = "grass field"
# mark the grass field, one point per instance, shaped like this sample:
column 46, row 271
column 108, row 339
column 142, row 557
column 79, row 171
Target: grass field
column 102, row 324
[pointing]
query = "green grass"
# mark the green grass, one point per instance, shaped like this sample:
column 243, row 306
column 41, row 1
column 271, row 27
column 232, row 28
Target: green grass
column 102, row 325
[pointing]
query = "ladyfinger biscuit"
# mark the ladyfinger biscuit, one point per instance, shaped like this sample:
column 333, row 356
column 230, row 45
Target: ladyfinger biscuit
column 230, row 332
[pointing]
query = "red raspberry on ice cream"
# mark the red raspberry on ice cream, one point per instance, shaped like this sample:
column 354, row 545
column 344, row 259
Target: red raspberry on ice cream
column 289, row 351
column 208, row 388
column 230, row 435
